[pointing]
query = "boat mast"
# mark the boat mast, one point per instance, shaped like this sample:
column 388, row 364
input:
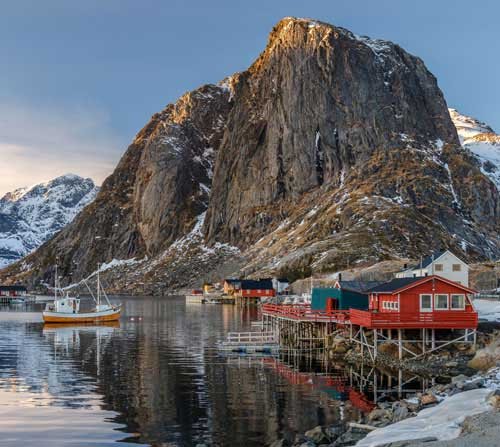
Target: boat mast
column 55, row 285
column 98, row 286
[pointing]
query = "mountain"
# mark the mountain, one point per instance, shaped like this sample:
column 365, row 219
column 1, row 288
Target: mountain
column 31, row 216
column 482, row 141
column 330, row 150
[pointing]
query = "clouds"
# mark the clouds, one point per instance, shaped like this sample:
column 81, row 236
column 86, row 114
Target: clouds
column 38, row 143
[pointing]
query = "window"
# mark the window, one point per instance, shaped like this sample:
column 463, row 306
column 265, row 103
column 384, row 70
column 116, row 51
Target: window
column 456, row 267
column 441, row 302
column 438, row 267
column 425, row 303
column 458, row 301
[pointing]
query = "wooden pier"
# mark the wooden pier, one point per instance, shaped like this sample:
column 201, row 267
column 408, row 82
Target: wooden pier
column 298, row 327
column 250, row 343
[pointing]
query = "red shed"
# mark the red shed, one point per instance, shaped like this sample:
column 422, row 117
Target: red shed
column 418, row 303
column 257, row 288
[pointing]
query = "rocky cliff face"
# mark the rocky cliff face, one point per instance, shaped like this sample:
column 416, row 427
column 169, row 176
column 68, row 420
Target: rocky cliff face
column 316, row 103
column 31, row 216
column 159, row 188
column 330, row 150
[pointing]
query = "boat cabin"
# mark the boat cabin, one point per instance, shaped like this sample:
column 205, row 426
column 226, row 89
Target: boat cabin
column 343, row 296
column 66, row 305
column 422, row 302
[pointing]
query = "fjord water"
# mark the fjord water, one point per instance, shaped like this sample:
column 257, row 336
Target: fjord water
column 155, row 378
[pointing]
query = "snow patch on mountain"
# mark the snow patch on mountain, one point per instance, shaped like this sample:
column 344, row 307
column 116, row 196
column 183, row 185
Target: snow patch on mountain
column 482, row 141
column 31, row 216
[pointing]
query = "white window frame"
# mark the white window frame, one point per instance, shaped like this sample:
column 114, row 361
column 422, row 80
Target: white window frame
column 426, row 309
column 456, row 265
column 441, row 267
column 463, row 301
column 447, row 301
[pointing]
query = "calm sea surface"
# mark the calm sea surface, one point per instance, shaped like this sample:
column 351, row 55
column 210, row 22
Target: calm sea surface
column 157, row 378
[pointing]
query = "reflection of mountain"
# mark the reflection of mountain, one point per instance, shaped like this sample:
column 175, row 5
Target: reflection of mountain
column 47, row 364
column 161, row 374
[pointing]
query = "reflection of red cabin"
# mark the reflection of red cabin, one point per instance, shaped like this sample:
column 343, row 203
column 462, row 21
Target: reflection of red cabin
column 414, row 303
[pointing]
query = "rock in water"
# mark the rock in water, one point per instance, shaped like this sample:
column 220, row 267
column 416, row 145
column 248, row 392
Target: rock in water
column 331, row 149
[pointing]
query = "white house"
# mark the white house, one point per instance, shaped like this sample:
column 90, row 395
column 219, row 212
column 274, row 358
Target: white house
column 444, row 264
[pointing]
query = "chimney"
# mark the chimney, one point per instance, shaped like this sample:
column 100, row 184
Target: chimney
column 339, row 277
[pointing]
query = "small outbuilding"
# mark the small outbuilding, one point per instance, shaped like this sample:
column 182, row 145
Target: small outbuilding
column 343, row 296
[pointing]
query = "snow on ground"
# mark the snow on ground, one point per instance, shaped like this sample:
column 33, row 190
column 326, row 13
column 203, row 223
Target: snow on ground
column 488, row 310
column 442, row 421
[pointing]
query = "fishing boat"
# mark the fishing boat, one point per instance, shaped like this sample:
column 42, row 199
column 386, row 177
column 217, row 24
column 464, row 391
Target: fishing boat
column 66, row 309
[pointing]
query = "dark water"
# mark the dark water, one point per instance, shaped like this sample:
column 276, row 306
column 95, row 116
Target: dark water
column 157, row 378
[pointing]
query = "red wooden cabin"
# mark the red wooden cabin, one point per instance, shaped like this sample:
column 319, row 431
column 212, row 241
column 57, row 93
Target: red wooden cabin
column 418, row 303
column 256, row 288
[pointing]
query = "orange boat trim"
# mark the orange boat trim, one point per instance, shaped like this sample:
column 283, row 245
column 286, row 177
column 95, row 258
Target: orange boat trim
column 77, row 319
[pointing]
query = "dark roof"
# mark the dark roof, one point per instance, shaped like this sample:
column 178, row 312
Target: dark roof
column 396, row 284
column 13, row 288
column 426, row 261
column 251, row 284
column 282, row 279
column 232, row 280
column 359, row 286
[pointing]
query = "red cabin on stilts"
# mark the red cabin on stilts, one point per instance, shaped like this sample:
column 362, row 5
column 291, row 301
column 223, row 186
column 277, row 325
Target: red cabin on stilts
column 430, row 302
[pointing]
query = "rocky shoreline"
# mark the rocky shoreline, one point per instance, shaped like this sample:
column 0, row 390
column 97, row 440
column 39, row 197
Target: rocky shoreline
column 387, row 413
column 451, row 365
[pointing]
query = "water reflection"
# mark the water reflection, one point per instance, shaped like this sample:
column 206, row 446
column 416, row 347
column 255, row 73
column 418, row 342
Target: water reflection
column 159, row 376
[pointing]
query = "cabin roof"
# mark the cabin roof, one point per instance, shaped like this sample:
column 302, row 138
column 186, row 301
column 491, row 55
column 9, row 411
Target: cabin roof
column 232, row 280
column 359, row 286
column 401, row 284
column 395, row 284
column 254, row 284
column 427, row 261
column 16, row 288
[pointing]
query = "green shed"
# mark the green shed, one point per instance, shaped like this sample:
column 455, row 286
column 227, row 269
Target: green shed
column 345, row 298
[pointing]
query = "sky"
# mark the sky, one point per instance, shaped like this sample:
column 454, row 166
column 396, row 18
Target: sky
column 80, row 78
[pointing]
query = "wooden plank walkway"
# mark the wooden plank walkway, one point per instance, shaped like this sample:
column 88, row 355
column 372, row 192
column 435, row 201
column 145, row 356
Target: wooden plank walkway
column 250, row 342
column 301, row 312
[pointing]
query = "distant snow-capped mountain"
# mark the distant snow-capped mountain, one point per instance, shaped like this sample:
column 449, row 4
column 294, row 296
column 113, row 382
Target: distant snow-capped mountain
column 482, row 141
column 30, row 216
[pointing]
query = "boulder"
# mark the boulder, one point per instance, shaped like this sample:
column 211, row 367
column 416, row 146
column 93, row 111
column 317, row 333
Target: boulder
column 350, row 437
column 428, row 399
column 488, row 356
column 318, row 435
column 400, row 413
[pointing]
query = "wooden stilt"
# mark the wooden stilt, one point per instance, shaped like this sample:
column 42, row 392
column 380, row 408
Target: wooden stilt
column 400, row 345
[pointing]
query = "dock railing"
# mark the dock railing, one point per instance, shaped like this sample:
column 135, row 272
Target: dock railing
column 445, row 319
column 304, row 312
column 254, row 338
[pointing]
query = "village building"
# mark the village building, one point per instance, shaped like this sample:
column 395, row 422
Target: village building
column 342, row 296
column 426, row 304
column 16, row 290
column 281, row 285
column 444, row 264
